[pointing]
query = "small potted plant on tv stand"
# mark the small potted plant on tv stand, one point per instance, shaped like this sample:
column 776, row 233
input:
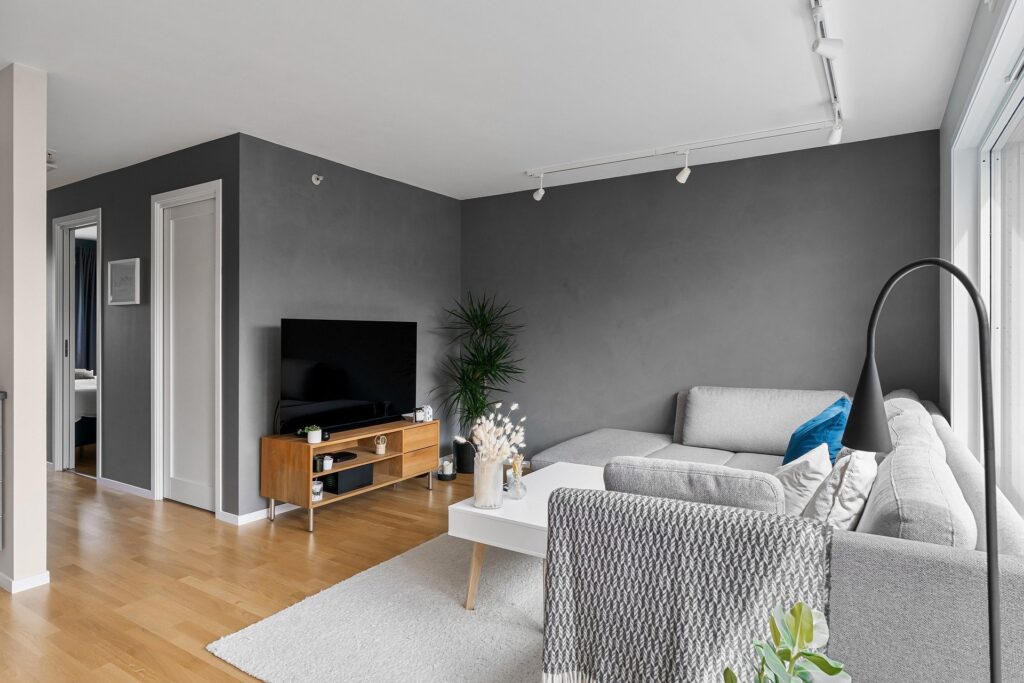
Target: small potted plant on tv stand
column 482, row 364
column 312, row 433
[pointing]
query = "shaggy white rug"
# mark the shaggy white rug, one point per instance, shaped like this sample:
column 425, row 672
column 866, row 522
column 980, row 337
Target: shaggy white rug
column 404, row 620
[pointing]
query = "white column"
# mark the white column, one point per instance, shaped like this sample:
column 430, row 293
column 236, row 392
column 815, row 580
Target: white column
column 23, row 325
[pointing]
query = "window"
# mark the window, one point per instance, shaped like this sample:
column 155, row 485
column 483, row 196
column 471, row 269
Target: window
column 1006, row 254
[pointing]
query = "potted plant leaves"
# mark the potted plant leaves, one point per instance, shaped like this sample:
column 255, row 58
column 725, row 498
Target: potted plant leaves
column 312, row 432
column 482, row 364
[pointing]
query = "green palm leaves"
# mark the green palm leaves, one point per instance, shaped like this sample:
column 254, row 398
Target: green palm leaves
column 484, row 364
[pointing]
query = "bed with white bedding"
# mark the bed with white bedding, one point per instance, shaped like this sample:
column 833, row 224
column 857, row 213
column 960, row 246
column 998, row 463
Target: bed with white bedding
column 85, row 398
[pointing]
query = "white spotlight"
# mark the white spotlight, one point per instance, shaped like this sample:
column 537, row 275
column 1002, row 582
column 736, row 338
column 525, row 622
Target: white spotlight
column 829, row 48
column 684, row 174
column 539, row 194
column 835, row 135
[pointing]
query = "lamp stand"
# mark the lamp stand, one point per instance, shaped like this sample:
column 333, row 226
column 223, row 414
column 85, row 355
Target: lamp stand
column 867, row 429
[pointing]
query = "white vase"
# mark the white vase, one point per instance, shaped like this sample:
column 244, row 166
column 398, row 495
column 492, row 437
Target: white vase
column 314, row 437
column 487, row 484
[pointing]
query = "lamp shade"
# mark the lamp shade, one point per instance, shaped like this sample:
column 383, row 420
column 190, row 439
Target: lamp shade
column 867, row 428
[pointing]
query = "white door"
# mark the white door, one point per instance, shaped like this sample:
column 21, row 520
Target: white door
column 190, row 352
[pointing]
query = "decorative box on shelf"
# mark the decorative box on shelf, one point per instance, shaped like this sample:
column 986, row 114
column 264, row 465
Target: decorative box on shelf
column 289, row 464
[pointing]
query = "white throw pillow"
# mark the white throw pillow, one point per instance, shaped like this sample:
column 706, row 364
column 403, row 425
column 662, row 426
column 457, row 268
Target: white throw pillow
column 841, row 498
column 802, row 477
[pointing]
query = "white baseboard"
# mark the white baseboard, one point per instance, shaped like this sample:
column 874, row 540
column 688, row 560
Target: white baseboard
column 49, row 466
column 125, row 488
column 18, row 585
column 249, row 518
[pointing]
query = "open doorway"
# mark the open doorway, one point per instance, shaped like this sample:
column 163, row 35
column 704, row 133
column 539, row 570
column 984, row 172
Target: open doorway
column 77, row 242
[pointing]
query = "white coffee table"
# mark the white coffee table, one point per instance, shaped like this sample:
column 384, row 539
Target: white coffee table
column 519, row 525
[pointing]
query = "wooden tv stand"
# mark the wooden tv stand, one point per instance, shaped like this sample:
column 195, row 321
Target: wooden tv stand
column 286, row 461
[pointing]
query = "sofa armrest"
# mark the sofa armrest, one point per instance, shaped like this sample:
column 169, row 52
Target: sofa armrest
column 696, row 482
column 904, row 610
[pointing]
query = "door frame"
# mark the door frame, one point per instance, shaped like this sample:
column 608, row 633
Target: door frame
column 61, row 394
column 159, row 203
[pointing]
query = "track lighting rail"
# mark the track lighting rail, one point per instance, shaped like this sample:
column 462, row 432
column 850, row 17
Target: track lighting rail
column 824, row 45
column 681, row 148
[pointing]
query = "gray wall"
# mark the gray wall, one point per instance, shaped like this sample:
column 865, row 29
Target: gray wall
column 124, row 197
column 358, row 246
column 757, row 272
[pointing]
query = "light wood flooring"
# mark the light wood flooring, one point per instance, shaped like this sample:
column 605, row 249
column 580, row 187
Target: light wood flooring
column 138, row 588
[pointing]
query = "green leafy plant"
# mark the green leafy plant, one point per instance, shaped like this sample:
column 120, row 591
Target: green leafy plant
column 307, row 429
column 792, row 655
column 484, row 361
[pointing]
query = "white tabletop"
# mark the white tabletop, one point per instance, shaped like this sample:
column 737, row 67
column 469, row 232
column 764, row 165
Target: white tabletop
column 522, row 525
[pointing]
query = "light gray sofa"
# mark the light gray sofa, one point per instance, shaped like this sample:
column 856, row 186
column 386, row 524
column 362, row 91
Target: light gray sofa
column 907, row 597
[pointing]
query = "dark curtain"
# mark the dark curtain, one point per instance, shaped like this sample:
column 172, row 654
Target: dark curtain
column 85, row 304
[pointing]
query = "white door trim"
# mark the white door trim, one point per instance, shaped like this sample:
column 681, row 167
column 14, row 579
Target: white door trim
column 59, row 386
column 160, row 202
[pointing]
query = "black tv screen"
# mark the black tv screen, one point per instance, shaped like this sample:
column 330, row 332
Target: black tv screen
column 341, row 374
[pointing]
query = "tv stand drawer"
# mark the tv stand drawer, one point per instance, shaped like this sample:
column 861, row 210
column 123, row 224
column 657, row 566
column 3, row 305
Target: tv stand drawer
column 418, row 462
column 419, row 437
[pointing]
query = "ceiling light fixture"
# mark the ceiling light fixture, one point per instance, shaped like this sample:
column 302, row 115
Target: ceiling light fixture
column 683, row 149
column 829, row 48
column 824, row 46
column 682, row 176
column 835, row 136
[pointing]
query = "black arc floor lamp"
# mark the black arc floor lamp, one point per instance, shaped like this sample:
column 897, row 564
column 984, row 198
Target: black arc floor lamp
column 867, row 430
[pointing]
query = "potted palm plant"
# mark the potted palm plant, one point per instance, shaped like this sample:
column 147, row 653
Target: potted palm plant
column 481, row 366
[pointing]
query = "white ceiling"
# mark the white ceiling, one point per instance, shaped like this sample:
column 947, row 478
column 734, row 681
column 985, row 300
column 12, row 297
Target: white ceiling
column 461, row 97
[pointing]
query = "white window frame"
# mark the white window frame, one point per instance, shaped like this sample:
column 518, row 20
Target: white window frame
column 990, row 267
column 966, row 215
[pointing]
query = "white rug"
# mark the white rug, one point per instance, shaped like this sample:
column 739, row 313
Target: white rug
column 404, row 620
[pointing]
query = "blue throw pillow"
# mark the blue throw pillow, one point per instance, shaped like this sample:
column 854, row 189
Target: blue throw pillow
column 825, row 427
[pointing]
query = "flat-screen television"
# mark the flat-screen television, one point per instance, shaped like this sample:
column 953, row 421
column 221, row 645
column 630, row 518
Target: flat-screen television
column 341, row 374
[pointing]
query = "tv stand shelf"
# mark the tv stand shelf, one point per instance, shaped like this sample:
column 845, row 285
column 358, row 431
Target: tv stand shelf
column 286, row 462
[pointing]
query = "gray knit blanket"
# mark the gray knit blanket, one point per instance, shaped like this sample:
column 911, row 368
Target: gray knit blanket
column 651, row 589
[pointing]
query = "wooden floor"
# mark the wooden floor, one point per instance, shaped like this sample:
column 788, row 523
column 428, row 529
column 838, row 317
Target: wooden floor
column 138, row 588
column 85, row 459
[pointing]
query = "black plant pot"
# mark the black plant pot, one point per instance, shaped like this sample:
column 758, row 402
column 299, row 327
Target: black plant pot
column 464, row 453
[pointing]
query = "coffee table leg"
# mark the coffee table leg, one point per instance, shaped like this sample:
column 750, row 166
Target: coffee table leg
column 475, row 565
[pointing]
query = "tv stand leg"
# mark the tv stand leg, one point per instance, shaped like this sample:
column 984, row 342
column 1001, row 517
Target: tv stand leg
column 271, row 509
column 430, row 481
column 309, row 522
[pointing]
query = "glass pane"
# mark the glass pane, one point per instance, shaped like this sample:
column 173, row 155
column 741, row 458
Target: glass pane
column 1008, row 275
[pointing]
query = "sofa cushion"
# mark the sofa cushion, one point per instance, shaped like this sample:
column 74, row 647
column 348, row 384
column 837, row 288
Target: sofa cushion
column 758, row 462
column 841, row 498
column 970, row 476
column 801, row 478
column 681, row 453
column 826, row 427
column 599, row 447
column 695, row 482
column 750, row 420
column 916, row 496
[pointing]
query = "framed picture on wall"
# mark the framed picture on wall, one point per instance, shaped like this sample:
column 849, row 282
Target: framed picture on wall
column 123, row 282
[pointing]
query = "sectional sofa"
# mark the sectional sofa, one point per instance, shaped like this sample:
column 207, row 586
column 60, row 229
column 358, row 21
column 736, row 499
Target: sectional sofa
column 907, row 596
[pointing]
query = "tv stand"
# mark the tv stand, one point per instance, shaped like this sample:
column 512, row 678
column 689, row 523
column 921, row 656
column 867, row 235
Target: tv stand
column 286, row 462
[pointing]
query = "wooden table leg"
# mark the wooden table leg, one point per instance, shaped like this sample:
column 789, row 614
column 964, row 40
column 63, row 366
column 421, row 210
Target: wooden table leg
column 475, row 565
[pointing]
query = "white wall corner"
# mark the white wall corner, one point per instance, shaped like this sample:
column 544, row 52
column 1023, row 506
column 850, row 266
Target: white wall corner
column 23, row 295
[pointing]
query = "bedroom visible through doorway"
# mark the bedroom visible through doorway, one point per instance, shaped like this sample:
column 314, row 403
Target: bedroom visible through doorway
column 76, row 406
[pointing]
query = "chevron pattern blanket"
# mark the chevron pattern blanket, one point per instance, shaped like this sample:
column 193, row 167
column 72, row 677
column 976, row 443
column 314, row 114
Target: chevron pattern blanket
column 650, row 589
